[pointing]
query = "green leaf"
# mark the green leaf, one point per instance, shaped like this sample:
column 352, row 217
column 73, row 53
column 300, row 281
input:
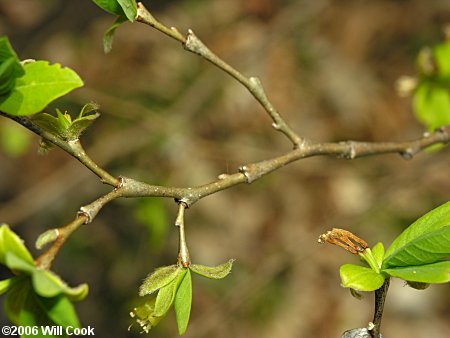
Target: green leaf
column 111, row 6
column 360, row 278
column 183, row 302
column 77, row 293
column 10, row 67
column 10, row 242
column 47, row 284
column 428, row 273
column 7, row 76
column 214, row 272
column 441, row 54
column 59, row 310
column 129, row 8
column 41, row 84
column 108, row 37
column 378, row 253
column 166, row 294
column 159, row 278
column 431, row 104
column 17, row 264
column 16, row 298
column 24, row 307
column 425, row 241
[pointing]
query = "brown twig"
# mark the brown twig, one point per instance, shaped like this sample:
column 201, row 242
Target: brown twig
column 380, row 298
column 128, row 187
column 193, row 44
column 72, row 147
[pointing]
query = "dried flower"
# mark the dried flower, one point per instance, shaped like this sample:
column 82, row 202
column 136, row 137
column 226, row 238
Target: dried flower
column 345, row 239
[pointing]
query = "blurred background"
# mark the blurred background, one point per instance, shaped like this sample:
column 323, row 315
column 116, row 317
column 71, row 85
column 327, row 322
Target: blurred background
column 170, row 118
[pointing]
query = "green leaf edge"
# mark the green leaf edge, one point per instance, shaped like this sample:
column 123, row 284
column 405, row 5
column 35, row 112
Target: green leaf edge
column 351, row 277
column 166, row 294
column 183, row 303
column 435, row 273
column 434, row 219
column 213, row 272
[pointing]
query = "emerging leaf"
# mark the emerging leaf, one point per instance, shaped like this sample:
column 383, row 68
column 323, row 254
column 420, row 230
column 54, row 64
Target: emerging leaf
column 49, row 123
column 214, row 272
column 79, row 125
column 159, row 278
column 41, row 84
column 46, row 237
column 378, row 253
column 63, row 126
column 183, row 302
column 88, row 108
column 108, row 37
column 360, row 278
column 166, row 294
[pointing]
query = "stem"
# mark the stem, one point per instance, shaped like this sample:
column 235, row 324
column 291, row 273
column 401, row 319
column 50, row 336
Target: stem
column 85, row 215
column 45, row 260
column 193, row 44
column 183, row 253
column 380, row 297
column 72, row 147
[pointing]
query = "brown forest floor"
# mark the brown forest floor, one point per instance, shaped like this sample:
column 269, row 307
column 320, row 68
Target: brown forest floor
column 169, row 117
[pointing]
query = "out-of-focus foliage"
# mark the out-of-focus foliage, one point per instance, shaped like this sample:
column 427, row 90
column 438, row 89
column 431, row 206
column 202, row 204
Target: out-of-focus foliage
column 431, row 99
column 35, row 297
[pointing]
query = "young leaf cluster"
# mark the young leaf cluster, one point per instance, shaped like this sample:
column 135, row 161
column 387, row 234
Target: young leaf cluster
column 419, row 255
column 35, row 297
column 63, row 126
column 173, row 285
